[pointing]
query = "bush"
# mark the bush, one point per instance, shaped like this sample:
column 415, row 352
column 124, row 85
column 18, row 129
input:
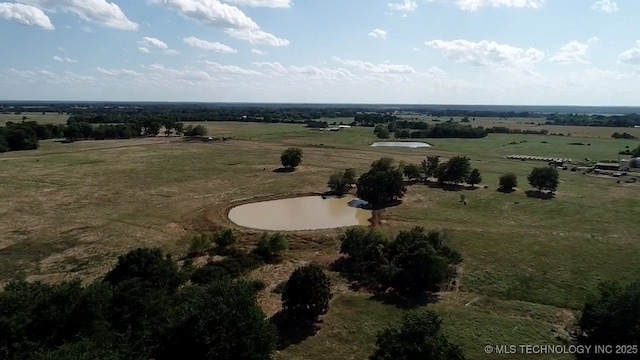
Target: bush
column 418, row 336
column 224, row 239
column 508, row 182
column 306, row 294
column 200, row 244
column 271, row 247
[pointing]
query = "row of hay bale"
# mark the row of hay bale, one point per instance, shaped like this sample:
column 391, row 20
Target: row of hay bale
column 539, row 158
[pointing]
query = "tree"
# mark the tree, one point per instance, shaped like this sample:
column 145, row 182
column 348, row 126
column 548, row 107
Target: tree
column 150, row 266
column 153, row 129
column 382, row 132
column 381, row 184
column 544, row 178
column 636, row 152
column 221, row 321
column 412, row 172
column 306, row 295
column 350, row 177
column 508, row 182
column 611, row 318
column 224, row 239
column 271, row 247
column 430, row 165
column 418, row 336
column 456, row 170
column 337, row 184
column 179, row 128
column 195, row 131
column 474, row 178
column 420, row 261
column 291, row 158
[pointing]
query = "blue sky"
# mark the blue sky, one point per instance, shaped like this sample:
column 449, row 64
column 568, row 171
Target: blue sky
column 546, row 52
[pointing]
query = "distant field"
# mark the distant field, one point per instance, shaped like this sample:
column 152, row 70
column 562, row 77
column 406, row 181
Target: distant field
column 68, row 210
column 48, row 118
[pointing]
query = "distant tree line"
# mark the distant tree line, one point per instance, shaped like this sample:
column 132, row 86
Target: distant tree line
column 25, row 135
column 506, row 130
column 628, row 120
column 444, row 130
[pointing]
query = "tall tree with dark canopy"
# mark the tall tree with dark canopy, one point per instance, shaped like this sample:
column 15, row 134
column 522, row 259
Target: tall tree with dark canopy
column 418, row 336
column 474, row 178
column 382, row 184
column 455, row 170
column 306, row 295
column 291, row 158
column 544, row 178
column 612, row 318
column 430, row 165
column 149, row 266
column 221, row 321
column 508, row 182
column 412, row 172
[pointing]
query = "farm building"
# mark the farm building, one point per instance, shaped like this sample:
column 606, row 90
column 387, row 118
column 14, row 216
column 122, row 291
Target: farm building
column 608, row 166
column 627, row 164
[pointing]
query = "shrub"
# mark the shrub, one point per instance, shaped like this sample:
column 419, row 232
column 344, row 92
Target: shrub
column 200, row 244
column 508, row 182
column 224, row 238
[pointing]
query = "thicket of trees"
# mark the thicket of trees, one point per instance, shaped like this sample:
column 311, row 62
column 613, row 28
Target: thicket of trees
column 26, row 135
column 413, row 262
column 506, row 130
column 628, row 120
column 444, row 130
column 141, row 309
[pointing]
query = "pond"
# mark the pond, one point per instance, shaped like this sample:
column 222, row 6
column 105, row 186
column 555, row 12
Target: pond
column 407, row 144
column 301, row 213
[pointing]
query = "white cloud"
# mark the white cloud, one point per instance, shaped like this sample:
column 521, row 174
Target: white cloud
column 573, row 52
column 230, row 69
column 378, row 34
column 64, row 59
column 473, row 5
column 607, row 6
column 405, row 6
column 25, row 15
column 262, row 3
column 631, row 56
column 385, row 68
column 40, row 76
column 144, row 50
column 257, row 37
column 207, row 45
column 258, row 52
column 120, row 72
column 230, row 18
column 486, row 53
column 100, row 12
column 153, row 42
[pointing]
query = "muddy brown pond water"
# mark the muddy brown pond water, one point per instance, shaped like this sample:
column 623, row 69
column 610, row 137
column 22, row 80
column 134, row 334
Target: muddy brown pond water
column 301, row 213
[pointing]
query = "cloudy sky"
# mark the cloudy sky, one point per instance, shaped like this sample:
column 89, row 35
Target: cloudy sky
column 552, row 52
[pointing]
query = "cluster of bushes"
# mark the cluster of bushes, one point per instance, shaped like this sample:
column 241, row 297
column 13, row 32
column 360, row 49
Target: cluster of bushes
column 444, row 130
column 414, row 262
column 625, row 135
column 456, row 170
column 317, row 124
column 506, row 130
column 84, row 130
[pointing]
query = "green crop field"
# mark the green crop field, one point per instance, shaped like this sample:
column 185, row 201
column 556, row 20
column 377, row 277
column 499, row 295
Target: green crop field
column 68, row 210
column 47, row 118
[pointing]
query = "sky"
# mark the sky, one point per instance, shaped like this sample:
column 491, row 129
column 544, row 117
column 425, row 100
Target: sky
column 503, row 52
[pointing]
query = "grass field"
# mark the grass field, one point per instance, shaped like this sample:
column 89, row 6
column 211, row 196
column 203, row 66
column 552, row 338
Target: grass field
column 68, row 210
column 48, row 118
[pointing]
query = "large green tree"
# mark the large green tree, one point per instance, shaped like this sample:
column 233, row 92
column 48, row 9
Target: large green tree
column 340, row 183
column 291, row 158
column 455, row 170
column 418, row 336
column 544, row 178
column 612, row 318
column 508, row 182
column 221, row 321
column 306, row 294
column 430, row 165
column 149, row 266
column 474, row 177
column 382, row 184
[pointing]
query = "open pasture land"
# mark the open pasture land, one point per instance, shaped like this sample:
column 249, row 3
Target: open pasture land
column 68, row 210
column 532, row 124
column 47, row 118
